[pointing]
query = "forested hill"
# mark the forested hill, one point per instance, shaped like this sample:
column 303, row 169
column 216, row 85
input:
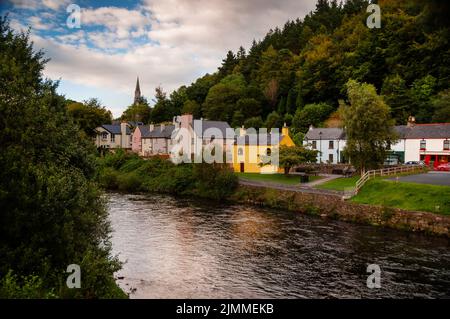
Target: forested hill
column 298, row 73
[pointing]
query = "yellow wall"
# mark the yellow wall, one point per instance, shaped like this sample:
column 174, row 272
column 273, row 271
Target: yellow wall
column 249, row 158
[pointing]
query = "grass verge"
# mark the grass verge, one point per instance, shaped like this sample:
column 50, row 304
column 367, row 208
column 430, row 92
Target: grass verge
column 409, row 196
column 275, row 178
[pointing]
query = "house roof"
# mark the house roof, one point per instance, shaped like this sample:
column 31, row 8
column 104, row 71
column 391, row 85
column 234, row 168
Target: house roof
column 327, row 134
column 418, row 131
column 257, row 139
column 157, row 132
column 207, row 128
column 115, row 129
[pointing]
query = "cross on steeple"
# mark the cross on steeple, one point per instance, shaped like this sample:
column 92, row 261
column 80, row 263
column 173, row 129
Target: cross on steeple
column 137, row 92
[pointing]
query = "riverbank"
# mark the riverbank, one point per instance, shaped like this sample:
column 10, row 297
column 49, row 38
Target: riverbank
column 333, row 207
column 129, row 173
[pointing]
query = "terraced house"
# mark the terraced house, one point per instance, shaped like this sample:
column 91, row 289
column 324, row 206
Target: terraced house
column 429, row 143
column 114, row 136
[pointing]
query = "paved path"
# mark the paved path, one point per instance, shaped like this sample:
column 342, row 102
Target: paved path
column 327, row 178
column 433, row 178
column 294, row 188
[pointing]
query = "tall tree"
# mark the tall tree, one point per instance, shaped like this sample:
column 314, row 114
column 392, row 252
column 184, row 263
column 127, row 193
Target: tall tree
column 53, row 214
column 368, row 126
column 89, row 115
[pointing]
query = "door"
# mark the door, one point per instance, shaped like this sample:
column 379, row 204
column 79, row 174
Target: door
column 242, row 168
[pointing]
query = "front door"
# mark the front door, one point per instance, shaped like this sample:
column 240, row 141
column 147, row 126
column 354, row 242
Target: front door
column 242, row 168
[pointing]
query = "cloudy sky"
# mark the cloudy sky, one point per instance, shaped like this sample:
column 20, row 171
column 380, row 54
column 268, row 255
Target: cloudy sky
column 164, row 42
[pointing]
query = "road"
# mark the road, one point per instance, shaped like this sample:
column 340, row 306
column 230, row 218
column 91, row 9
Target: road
column 433, row 178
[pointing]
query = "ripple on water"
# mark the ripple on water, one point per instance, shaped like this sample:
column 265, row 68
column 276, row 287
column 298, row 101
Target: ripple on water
column 181, row 248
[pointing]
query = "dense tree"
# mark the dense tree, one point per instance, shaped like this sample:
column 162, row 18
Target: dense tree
column 255, row 122
column 368, row 126
column 295, row 155
column 89, row 115
column 311, row 114
column 52, row 214
column 139, row 112
column 441, row 106
column 309, row 61
column 273, row 121
column 222, row 98
column 192, row 107
column 163, row 110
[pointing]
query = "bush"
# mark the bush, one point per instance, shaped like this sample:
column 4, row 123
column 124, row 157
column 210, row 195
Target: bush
column 12, row 287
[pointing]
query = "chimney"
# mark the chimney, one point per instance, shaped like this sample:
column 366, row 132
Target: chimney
column 285, row 130
column 152, row 127
column 186, row 120
column 162, row 127
column 411, row 121
column 311, row 127
column 242, row 131
column 123, row 132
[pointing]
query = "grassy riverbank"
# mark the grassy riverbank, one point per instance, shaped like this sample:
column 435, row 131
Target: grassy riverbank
column 340, row 184
column 409, row 196
column 275, row 178
column 130, row 173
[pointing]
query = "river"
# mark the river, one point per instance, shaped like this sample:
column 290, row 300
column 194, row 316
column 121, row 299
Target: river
column 186, row 248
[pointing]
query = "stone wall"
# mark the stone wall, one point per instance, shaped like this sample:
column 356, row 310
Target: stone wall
column 335, row 208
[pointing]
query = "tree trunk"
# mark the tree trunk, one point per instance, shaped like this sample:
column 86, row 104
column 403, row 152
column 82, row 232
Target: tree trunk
column 286, row 170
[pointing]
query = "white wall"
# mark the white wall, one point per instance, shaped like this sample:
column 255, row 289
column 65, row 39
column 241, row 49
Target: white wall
column 434, row 146
column 326, row 151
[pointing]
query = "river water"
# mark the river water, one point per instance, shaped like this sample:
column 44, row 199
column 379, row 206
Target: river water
column 185, row 248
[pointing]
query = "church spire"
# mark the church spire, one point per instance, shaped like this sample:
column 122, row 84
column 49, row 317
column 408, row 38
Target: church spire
column 137, row 92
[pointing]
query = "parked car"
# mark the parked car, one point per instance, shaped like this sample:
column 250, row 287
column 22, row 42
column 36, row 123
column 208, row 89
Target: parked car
column 422, row 163
column 443, row 167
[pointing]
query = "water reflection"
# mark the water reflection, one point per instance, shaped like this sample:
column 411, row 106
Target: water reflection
column 179, row 248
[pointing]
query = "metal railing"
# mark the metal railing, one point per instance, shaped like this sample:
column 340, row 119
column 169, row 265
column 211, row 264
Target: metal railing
column 385, row 172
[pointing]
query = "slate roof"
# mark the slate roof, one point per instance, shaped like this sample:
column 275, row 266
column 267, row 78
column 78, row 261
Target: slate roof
column 327, row 134
column 418, row 131
column 157, row 132
column 266, row 139
column 206, row 124
column 115, row 129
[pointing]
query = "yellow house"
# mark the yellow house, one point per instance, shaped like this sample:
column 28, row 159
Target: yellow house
column 248, row 149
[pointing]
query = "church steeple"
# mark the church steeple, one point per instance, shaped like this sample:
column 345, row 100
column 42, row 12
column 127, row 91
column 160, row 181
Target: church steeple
column 137, row 92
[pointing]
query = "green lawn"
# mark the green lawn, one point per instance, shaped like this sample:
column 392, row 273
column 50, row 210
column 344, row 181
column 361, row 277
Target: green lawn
column 275, row 178
column 340, row 184
column 410, row 196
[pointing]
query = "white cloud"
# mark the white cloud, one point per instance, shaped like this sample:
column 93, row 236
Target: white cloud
column 185, row 39
column 40, row 4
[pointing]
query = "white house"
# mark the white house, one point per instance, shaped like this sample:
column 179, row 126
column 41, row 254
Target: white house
column 330, row 143
column 426, row 142
column 113, row 136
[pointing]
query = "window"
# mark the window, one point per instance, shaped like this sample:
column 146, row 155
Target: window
column 113, row 137
column 330, row 145
column 268, row 152
column 330, row 158
column 240, row 151
column 314, row 144
column 423, row 144
column 104, row 136
column 446, row 145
